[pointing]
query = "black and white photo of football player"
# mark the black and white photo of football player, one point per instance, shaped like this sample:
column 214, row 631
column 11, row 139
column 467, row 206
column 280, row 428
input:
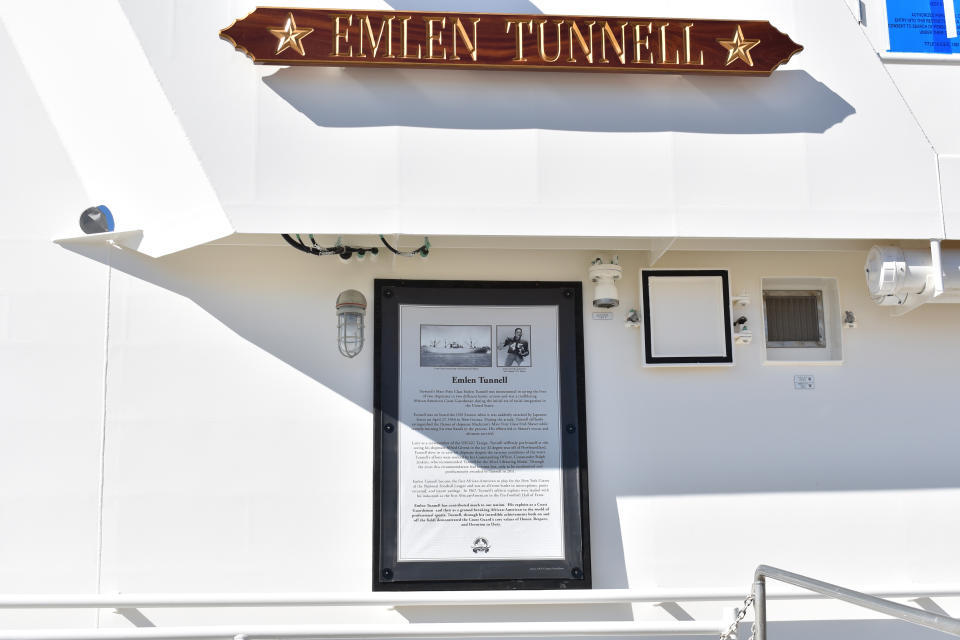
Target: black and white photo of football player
column 513, row 346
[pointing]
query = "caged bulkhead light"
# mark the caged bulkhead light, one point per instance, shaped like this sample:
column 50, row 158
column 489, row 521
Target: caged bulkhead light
column 351, row 309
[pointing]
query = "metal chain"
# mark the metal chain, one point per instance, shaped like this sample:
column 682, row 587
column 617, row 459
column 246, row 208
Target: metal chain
column 741, row 614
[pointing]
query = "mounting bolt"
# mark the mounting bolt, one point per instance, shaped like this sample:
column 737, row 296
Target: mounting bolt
column 571, row 428
column 388, row 427
column 567, row 293
column 387, row 574
column 577, row 573
column 388, row 293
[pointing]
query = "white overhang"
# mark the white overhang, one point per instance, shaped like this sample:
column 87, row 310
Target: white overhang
column 115, row 123
column 186, row 139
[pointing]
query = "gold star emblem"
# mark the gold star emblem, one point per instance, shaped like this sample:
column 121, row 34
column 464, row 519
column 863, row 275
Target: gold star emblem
column 739, row 47
column 290, row 37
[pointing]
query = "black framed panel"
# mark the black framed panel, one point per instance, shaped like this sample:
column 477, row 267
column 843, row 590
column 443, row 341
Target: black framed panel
column 646, row 276
column 457, row 349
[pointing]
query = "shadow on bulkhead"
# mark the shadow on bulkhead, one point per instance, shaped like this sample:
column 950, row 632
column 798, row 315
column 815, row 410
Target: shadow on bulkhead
column 281, row 300
column 272, row 299
column 789, row 101
column 519, row 613
column 269, row 296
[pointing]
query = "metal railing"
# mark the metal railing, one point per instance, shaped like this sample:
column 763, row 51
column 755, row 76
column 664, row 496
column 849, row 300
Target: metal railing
column 895, row 609
column 435, row 598
column 377, row 631
column 128, row 604
column 125, row 604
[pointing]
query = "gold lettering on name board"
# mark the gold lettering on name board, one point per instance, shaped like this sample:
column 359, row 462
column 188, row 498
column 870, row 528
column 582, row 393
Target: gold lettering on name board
column 341, row 36
column 687, row 37
column 365, row 27
column 588, row 50
column 642, row 43
column 606, row 33
column 541, row 41
column 363, row 22
column 449, row 39
column 435, row 37
column 663, row 47
column 456, row 29
column 405, row 34
column 519, row 24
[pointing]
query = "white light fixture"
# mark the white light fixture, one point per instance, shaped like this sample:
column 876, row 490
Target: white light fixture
column 909, row 278
column 603, row 276
column 351, row 308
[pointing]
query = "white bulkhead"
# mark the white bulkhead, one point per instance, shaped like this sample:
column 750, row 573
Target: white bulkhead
column 176, row 416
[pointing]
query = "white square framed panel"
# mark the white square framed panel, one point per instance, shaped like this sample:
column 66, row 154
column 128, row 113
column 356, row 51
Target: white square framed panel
column 686, row 317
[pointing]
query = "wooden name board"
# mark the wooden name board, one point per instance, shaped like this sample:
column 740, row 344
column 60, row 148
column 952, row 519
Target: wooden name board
column 340, row 37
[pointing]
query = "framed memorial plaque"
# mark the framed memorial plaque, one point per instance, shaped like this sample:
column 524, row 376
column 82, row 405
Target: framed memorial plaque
column 480, row 465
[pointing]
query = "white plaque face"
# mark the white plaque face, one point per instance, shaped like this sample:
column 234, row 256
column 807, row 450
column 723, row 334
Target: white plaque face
column 479, row 439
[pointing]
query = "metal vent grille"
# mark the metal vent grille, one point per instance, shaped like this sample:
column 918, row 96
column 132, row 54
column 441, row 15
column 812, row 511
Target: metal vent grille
column 794, row 318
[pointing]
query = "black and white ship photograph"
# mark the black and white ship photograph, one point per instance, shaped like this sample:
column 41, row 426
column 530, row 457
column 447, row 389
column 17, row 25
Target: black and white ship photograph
column 444, row 345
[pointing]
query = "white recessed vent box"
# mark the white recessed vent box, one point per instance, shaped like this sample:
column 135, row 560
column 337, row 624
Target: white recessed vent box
column 802, row 320
column 686, row 317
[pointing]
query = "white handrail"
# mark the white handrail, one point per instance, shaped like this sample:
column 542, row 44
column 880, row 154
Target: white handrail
column 432, row 598
column 367, row 631
column 412, row 630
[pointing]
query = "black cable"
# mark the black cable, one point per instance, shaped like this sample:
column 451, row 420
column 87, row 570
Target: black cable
column 344, row 251
column 297, row 245
column 422, row 250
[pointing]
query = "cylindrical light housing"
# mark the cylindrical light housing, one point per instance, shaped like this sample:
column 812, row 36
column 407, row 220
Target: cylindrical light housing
column 351, row 309
column 604, row 276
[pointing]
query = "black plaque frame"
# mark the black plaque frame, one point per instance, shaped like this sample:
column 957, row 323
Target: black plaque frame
column 645, row 275
column 571, row 572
